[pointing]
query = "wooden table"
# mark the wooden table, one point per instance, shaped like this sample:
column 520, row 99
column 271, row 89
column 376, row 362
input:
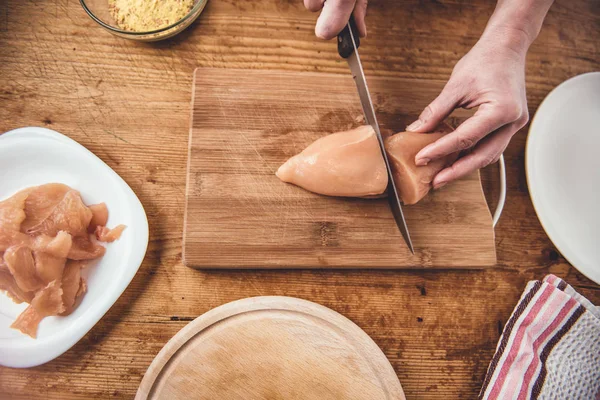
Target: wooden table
column 129, row 103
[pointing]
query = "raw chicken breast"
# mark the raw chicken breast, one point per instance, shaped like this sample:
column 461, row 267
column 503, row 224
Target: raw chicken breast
column 413, row 183
column 341, row 164
column 350, row 164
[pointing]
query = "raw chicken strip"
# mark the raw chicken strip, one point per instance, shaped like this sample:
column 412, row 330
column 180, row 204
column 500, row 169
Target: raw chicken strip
column 41, row 202
column 50, row 259
column 69, row 215
column 28, row 321
column 105, row 234
column 82, row 288
column 84, row 249
column 341, row 164
column 20, row 263
column 11, row 211
column 413, row 183
column 99, row 216
column 48, row 267
column 9, row 237
column 9, row 285
column 73, row 285
column 58, row 246
column 46, row 302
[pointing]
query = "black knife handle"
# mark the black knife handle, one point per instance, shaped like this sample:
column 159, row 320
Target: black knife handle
column 345, row 47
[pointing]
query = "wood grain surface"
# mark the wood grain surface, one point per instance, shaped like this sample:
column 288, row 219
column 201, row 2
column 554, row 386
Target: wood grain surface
column 129, row 103
column 250, row 349
column 245, row 124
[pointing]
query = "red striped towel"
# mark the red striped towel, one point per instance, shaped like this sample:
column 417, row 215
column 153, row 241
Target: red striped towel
column 550, row 347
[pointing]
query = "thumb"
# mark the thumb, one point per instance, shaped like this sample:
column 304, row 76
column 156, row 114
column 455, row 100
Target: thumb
column 435, row 112
column 333, row 18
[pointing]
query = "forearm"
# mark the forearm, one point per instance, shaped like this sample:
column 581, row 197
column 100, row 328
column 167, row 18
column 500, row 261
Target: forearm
column 517, row 22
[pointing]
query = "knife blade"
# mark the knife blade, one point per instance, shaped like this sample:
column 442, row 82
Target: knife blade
column 348, row 43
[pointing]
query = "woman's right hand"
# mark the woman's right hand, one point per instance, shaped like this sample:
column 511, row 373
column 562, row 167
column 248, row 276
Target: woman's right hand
column 491, row 78
column 335, row 15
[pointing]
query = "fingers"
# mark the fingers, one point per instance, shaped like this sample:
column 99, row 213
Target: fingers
column 486, row 120
column 333, row 18
column 313, row 5
column 435, row 112
column 360, row 12
column 486, row 152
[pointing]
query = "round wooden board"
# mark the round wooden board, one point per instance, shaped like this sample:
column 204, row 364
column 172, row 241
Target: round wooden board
column 271, row 347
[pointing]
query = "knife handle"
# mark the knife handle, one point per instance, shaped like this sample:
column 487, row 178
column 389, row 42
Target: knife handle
column 345, row 45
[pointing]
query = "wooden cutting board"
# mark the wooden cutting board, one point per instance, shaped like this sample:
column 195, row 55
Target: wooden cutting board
column 246, row 123
column 271, row 348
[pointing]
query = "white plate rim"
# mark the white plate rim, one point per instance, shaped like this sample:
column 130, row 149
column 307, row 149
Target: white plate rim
column 34, row 354
column 534, row 192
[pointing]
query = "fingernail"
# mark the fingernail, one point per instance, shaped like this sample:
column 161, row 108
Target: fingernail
column 421, row 162
column 414, row 125
column 440, row 185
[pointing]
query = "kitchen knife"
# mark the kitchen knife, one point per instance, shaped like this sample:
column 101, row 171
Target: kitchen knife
column 348, row 43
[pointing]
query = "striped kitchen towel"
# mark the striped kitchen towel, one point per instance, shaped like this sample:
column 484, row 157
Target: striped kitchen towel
column 550, row 347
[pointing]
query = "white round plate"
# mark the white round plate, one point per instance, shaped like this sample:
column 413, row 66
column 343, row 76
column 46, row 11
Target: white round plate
column 563, row 170
column 34, row 156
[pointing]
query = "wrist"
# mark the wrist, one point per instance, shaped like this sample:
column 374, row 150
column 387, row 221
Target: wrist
column 511, row 37
column 516, row 23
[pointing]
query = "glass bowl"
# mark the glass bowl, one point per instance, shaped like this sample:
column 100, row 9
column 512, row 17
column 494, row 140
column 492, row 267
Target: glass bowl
column 99, row 12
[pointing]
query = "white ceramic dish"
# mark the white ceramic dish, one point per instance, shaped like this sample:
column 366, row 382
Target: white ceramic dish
column 563, row 170
column 33, row 156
